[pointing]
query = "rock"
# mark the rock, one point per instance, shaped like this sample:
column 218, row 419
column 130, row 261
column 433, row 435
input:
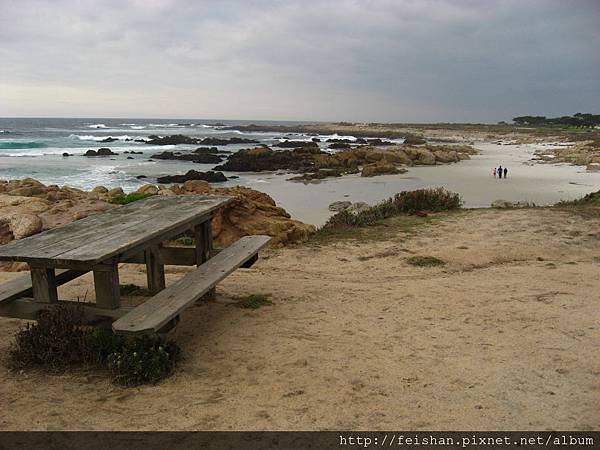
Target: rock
column 114, row 192
column 196, row 186
column 65, row 154
column 202, row 158
column 424, row 157
column 296, row 144
column 166, row 192
column 148, row 189
column 339, row 145
column 411, row 139
column 183, row 139
column 109, row 139
column 379, row 142
column 101, row 152
column 210, row 176
column 358, row 207
column 372, row 170
column 141, row 177
column 23, row 225
column 233, row 140
column 339, row 206
column 593, row 167
column 100, row 190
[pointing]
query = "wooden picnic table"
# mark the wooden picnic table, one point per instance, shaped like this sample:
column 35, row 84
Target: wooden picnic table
column 132, row 233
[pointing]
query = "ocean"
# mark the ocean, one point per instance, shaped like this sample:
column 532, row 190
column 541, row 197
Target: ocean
column 34, row 148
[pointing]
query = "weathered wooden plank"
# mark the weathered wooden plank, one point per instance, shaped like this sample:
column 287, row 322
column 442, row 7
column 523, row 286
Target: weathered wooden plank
column 152, row 315
column 21, row 286
column 43, row 284
column 174, row 256
column 130, row 240
column 28, row 308
column 204, row 241
column 148, row 217
column 155, row 270
column 106, row 285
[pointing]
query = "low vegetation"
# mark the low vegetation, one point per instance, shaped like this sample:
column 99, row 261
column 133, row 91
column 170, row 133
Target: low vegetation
column 59, row 341
column 254, row 301
column 406, row 202
column 124, row 199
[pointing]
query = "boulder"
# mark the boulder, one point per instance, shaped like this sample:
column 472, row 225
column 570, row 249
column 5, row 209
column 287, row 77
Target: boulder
column 100, row 190
column 114, row 192
column 148, row 189
column 202, row 158
column 210, row 176
column 100, row 152
column 380, row 168
column 411, row 139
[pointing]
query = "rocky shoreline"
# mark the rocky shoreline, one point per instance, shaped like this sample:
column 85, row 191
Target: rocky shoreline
column 28, row 207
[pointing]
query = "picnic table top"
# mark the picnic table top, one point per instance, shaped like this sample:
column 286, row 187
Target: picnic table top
column 99, row 237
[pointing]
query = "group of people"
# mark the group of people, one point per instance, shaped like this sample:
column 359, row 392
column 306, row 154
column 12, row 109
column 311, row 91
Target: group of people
column 500, row 171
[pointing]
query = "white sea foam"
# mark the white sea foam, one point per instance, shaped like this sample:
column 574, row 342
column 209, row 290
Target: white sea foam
column 89, row 137
column 137, row 127
column 97, row 125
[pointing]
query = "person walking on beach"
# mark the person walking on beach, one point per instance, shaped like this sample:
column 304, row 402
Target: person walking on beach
column 499, row 171
column 494, row 172
column 505, row 172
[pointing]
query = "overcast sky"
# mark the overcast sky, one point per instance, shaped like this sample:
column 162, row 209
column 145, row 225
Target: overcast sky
column 356, row 60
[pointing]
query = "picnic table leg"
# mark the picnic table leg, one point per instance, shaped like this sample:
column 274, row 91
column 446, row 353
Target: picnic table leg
column 204, row 246
column 43, row 284
column 155, row 270
column 106, row 284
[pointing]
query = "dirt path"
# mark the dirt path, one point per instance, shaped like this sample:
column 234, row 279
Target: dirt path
column 504, row 336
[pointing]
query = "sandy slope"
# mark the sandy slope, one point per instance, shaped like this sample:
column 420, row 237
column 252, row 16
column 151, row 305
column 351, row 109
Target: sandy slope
column 359, row 339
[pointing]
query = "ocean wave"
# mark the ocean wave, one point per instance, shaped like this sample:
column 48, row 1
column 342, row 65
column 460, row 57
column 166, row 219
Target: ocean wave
column 20, row 145
column 89, row 137
column 137, row 127
column 97, row 125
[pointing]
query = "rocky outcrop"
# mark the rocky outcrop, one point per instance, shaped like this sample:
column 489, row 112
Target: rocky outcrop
column 296, row 144
column 177, row 139
column 411, row 139
column 210, row 177
column 202, row 158
column 316, row 164
column 585, row 153
column 28, row 207
column 381, row 168
column 233, row 140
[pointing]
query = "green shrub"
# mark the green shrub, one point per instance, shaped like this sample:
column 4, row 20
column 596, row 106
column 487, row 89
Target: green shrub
column 425, row 261
column 123, row 199
column 254, row 302
column 592, row 197
column 58, row 341
column 406, row 202
column 146, row 359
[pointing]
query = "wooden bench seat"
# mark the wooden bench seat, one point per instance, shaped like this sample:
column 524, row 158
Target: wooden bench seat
column 162, row 309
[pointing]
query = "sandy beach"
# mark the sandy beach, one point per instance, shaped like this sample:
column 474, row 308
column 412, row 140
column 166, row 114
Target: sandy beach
column 504, row 336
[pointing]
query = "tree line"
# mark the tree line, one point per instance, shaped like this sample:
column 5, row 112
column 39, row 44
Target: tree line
column 580, row 120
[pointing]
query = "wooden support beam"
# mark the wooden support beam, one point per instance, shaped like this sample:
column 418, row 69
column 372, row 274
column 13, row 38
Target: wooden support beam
column 28, row 308
column 204, row 245
column 43, row 284
column 170, row 256
column 155, row 270
column 106, row 285
column 21, row 286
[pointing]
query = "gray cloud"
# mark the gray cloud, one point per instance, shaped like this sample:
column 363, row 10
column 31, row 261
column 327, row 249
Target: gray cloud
column 369, row 60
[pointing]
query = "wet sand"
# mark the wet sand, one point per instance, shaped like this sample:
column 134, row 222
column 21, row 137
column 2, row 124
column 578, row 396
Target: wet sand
column 542, row 184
